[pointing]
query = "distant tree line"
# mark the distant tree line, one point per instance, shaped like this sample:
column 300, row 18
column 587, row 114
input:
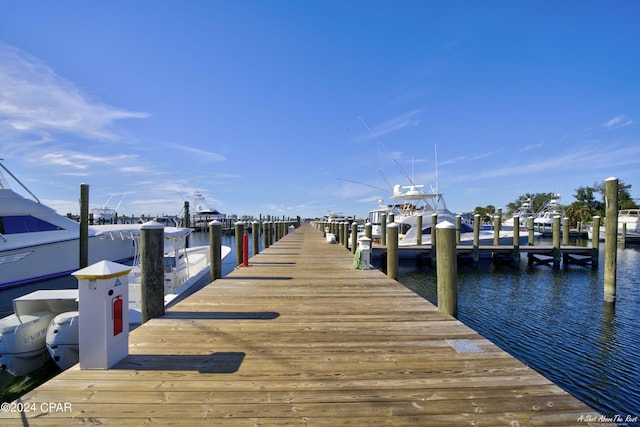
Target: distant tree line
column 590, row 202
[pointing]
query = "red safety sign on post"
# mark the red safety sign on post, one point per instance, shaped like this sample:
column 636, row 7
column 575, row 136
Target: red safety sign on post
column 117, row 314
column 245, row 249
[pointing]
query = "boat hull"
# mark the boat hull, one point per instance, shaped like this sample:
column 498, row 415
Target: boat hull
column 41, row 262
column 63, row 339
column 22, row 342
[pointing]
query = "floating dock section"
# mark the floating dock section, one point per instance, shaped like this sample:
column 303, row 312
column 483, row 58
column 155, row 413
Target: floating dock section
column 302, row 338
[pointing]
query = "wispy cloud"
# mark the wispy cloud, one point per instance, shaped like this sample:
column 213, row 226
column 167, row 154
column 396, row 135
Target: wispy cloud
column 618, row 122
column 396, row 123
column 214, row 157
column 77, row 160
column 531, row 147
column 134, row 169
column 392, row 125
column 34, row 100
column 589, row 156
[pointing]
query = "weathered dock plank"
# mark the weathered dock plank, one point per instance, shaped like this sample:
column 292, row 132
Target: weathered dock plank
column 301, row 338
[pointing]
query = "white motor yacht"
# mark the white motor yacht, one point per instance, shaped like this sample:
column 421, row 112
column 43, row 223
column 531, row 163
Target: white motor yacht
column 543, row 221
column 629, row 218
column 417, row 203
column 524, row 212
column 36, row 243
column 204, row 214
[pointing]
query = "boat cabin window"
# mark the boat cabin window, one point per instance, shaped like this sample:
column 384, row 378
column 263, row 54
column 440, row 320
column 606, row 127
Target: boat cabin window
column 24, row 224
column 169, row 262
column 464, row 228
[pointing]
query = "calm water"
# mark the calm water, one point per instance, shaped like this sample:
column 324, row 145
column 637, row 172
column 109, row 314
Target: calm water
column 556, row 322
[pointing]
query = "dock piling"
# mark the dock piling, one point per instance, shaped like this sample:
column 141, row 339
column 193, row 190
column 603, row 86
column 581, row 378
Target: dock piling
column 255, row 237
column 239, row 231
column 516, row 240
column 555, row 237
column 152, row 269
column 187, row 215
column 476, row 239
column 215, row 248
column 383, row 229
column 447, row 269
column 392, row 251
column 354, row 237
column 611, row 239
column 84, row 225
column 595, row 242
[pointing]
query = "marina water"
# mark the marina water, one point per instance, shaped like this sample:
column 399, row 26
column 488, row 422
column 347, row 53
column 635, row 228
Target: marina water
column 556, row 321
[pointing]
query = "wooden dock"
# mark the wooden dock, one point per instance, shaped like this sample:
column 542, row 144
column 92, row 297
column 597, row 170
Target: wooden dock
column 302, row 338
column 540, row 254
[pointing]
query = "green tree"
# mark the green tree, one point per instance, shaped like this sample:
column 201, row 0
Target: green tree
column 486, row 213
column 625, row 201
column 578, row 212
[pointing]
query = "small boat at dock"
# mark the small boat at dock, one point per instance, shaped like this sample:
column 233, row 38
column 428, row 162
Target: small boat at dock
column 183, row 268
column 23, row 333
column 629, row 221
column 45, row 323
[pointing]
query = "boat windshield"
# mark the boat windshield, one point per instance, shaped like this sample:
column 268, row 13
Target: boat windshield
column 169, row 264
column 17, row 224
column 4, row 185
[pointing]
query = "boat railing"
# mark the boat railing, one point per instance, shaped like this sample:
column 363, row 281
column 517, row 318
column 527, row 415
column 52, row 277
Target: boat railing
column 18, row 181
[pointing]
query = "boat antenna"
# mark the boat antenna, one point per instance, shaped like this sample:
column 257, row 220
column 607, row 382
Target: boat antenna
column 393, row 158
column 123, row 196
column 435, row 148
column 18, row 181
column 362, row 183
column 375, row 164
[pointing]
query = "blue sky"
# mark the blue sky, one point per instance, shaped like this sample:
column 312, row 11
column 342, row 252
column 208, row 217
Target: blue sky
column 299, row 107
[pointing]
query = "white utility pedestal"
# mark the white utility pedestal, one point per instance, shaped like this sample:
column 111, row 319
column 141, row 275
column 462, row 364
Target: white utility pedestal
column 364, row 243
column 103, row 290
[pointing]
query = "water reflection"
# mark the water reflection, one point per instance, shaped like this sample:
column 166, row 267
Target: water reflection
column 557, row 322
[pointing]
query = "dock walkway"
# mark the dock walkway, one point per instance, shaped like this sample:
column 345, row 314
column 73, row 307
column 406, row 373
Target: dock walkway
column 302, row 338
